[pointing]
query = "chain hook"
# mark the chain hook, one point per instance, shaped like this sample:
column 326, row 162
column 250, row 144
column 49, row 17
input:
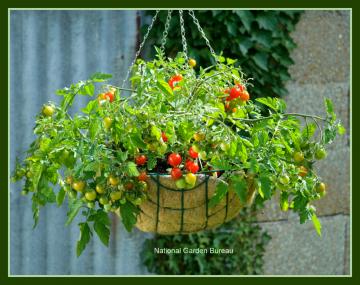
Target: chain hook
column 140, row 48
column 197, row 24
column 183, row 37
column 166, row 31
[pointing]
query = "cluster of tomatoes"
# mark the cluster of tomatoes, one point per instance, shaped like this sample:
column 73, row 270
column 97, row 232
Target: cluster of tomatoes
column 300, row 162
column 107, row 96
column 108, row 194
column 237, row 95
column 174, row 160
column 173, row 81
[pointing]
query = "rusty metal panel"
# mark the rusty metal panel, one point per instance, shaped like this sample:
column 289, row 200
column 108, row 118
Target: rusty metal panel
column 50, row 50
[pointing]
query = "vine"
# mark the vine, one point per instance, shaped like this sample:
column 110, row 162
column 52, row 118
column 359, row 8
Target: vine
column 260, row 40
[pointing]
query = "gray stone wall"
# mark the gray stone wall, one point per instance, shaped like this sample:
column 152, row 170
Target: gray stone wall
column 321, row 69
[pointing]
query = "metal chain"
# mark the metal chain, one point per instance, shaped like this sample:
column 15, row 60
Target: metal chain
column 140, row 47
column 166, row 30
column 183, row 34
column 196, row 22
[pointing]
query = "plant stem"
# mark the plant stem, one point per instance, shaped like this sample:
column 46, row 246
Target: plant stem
column 285, row 115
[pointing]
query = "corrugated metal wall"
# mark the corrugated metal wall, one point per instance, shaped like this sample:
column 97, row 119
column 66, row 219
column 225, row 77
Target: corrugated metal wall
column 50, row 50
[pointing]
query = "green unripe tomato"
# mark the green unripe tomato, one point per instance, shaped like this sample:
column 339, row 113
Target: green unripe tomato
column 138, row 201
column 298, row 156
column 24, row 192
column 48, row 110
column 180, row 183
column 321, row 189
column 103, row 200
column 143, row 185
column 100, row 189
column 202, row 155
column 79, row 186
column 224, row 146
column 90, row 195
column 320, row 153
column 284, row 179
column 107, row 122
column 114, row 196
column 91, row 205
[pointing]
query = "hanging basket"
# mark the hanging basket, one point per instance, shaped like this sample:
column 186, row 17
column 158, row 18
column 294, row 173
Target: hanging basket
column 171, row 211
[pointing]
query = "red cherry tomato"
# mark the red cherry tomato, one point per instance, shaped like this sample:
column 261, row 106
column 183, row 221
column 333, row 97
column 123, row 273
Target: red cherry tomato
column 192, row 153
column 193, row 167
column 174, row 159
column 187, row 164
column 164, row 137
column 176, row 173
column 129, row 185
column 235, row 93
column 142, row 176
column 109, row 96
column 140, row 160
column 244, row 96
column 175, row 79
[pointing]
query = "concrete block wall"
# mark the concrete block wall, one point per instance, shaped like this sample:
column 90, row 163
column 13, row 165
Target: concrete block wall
column 321, row 69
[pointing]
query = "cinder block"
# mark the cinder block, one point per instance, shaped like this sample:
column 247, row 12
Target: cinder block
column 297, row 249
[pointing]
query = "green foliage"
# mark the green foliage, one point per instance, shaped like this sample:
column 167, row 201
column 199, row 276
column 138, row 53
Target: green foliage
column 246, row 239
column 260, row 40
column 81, row 153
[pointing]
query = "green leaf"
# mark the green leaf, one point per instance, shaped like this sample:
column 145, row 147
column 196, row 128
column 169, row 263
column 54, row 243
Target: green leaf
column 261, row 59
column 101, row 226
column 232, row 28
column 267, row 20
column 60, row 197
column 129, row 214
column 220, row 192
column 265, row 185
column 239, row 185
column 122, row 155
column 151, row 163
column 89, row 89
column 137, row 140
column 84, row 239
column 316, row 224
column 330, row 109
column 74, row 207
column 130, row 169
column 100, row 77
column 341, row 129
column 186, row 130
column 246, row 18
column 263, row 37
column 164, row 87
column 309, row 130
column 156, row 132
column 35, row 209
column 270, row 102
column 94, row 129
column 91, row 106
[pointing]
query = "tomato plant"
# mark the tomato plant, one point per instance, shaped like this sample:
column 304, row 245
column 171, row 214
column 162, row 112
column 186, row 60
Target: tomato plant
column 173, row 120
